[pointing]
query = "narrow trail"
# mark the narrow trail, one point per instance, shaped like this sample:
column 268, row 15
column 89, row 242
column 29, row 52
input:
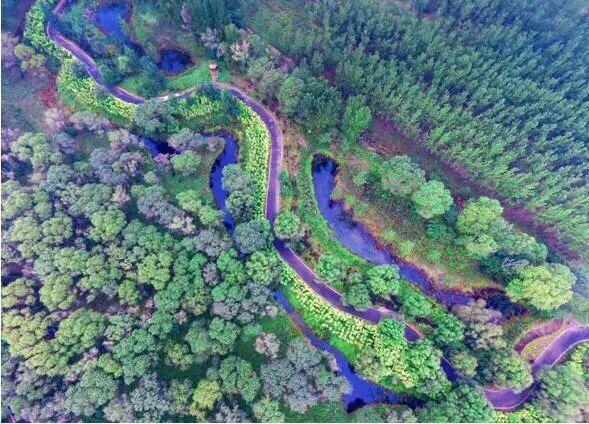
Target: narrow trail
column 504, row 399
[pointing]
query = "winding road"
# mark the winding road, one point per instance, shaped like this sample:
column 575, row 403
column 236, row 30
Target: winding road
column 504, row 399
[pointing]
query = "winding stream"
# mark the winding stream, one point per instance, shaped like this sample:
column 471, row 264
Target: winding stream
column 174, row 61
column 358, row 239
column 228, row 156
column 363, row 391
column 109, row 19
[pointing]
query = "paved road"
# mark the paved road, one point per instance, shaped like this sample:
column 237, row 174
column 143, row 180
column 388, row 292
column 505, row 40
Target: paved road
column 504, row 399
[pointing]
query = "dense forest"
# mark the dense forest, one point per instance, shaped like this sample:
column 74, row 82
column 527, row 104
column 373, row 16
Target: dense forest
column 499, row 89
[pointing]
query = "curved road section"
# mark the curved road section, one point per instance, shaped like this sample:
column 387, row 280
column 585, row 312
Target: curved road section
column 504, row 399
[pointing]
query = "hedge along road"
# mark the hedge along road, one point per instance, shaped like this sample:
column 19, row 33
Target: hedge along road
column 503, row 399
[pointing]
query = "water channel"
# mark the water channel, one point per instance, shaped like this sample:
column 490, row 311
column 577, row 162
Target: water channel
column 362, row 392
column 109, row 19
column 358, row 239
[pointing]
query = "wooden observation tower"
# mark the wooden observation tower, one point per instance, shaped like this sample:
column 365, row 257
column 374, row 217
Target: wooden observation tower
column 214, row 69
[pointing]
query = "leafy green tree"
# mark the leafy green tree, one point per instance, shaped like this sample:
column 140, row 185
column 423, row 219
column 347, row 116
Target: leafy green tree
column 71, row 261
column 57, row 229
column 57, row 178
column 545, row 287
column 228, row 294
column 20, row 292
column 474, row 225
column 95, row 389
column 133, row 353
column 263, row 267
column 240, row 204
column 199, row 341
column 205, row 13
column 478, row 215
column 190, row 201
column 204, row 398
column 209, row 216
column 119, row 326
column 238, row 377
column 24, row 229
column 102, row 272
column 253, row 235
column 56, row 292
column 383, row 280
column 357, row 117
column 88, row 199
column 423, row 360
column 479, row 246
column 358, row 296
column 464, row 404
column 241, row 200
column 185, row 139
column 222, row 335
column 26, row 337
column 154, row 117
column 517, row 244
column 330, row 268
column 310, row 101
column 108, row 364
column 482, row 325
column 400, row 414
column 448, row 331
column 16, row 203
column 29, row 60
column 401, row 176
column 562, row 394
column 78, row 331
column 161, row 322
column 230, row 267
column 178, row 356
column 392, row 331
column 505, row 369
column 111, row 75
column 154, row 269
column 415, row 303
column 267, row 410
column 186, row 164
column 464, row 363
column 290, row 93
column 369, row 414
column 235, row 179
column 34, row 148
column 432, row 199
column 180, row 394
column 268, row 76
column 128, row 292
column 107, row 224
column 287, row 227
